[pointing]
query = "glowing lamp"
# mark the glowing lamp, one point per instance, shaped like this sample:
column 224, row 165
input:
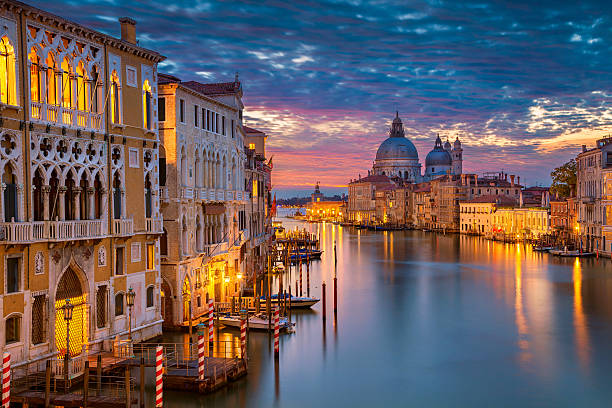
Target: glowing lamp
column 68, row 307
column 131, row 295
column 227, row 279
column 239, row 276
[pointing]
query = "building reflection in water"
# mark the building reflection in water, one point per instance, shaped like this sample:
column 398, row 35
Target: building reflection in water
column 580, row 323
column 521, row 322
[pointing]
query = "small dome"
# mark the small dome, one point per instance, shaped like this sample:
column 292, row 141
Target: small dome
column 457, row 143
column 438, row 156
column 447, row 145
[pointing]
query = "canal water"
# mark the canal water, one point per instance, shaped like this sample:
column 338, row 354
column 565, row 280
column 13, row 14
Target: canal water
column 427, row 319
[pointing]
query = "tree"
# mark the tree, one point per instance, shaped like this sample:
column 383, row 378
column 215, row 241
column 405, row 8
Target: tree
column 564, row 179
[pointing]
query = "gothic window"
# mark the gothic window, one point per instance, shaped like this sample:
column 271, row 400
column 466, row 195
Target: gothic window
column 66, row 85
column 10, row 194
column 82, row 88
column 8, row 83
column 69, row 196
column 35, row 79
column 147, row 109
column 84, row 198
column 38, row 197
column 148, row 197
column 163, row 243
column 94, row 88
column 114, row 98
column 117, row 196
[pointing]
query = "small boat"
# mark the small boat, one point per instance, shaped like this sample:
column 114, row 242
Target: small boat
column 575, row 253
column 542, row 248
column 304, row 254
column 296, row 302
column 257, row 322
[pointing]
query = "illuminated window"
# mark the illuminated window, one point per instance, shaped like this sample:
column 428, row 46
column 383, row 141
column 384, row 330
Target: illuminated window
column 82, row 88
column 114, row 98
column 8, row 85
column 254, row 188
column 66, row 85
column 35, row 78
column 146, row 105
column 252, row 146
column 150, row 256
column 52, row 98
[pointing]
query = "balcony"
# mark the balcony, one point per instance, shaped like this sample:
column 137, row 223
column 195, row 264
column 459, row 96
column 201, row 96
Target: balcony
column 123, row 227
column 155, row 225
column 26, row 232
column 187, row 192
column 164, row 194
column 215, row 249
column 66, row 116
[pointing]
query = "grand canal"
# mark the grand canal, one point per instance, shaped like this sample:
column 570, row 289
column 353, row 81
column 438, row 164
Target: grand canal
column 436, row 320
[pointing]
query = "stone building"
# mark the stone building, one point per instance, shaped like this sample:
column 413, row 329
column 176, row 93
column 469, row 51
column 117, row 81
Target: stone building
column 522, row 222
column 422, row 206
column 79, row 161
column 204, row 198
column 591, row 164
column 476, row 215
column 361, row 207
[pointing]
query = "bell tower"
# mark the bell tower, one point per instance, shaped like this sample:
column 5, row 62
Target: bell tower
column 457, row 156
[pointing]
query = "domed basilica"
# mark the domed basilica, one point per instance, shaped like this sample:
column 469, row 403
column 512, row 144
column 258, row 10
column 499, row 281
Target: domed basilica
column 397, row 157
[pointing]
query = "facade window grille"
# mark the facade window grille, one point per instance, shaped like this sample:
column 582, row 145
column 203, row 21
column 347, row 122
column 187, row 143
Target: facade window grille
column 101, row 296
column 38, row 319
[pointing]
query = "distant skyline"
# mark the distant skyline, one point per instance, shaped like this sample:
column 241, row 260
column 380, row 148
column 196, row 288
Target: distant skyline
column 522, row 83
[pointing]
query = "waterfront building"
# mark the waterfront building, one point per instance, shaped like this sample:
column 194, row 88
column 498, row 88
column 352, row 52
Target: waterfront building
column 422, row 206
column 361, row 207
column 591, row 164
column 204, row 197
column 521, row 222
column 258, row 209
column 476, row 215
column 559, row 215
column 79, row 152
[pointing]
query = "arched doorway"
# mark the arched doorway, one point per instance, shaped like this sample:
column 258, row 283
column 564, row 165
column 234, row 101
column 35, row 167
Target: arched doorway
column 166, row 301
column 186, row 292
column 70, row 287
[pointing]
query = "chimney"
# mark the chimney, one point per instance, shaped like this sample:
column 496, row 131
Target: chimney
column 128, row 29
column 518, row 180
column 476, row 180
column 543, row 199
column 512, row 180
column 521, row 198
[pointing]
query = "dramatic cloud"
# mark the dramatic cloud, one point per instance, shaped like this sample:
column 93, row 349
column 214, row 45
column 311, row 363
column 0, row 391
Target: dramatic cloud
column 522, row 83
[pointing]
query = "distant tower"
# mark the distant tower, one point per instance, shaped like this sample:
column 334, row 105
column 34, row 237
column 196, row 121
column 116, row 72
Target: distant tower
column 457, row 155
column 447, row 146
column 317, row 196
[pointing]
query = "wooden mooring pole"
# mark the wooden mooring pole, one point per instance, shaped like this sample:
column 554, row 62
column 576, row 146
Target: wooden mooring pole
column 142, row 382
column 48, row 384
column 99, row 372
column 128, row 396
column 86, row 384
column 323, row 298
column 268, row 298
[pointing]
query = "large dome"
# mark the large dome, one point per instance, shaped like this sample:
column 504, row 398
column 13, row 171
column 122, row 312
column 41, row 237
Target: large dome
column 397, row 148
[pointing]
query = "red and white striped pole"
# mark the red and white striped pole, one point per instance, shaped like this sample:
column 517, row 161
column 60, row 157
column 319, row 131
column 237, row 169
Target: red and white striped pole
column 243, row 338
column 201, row 352
column 6, row 380
column 159, row 377
column 276, row 331
column 211, row 309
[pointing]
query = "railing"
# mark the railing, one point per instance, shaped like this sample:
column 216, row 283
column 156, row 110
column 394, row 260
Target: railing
column 22, row 232
column 220, row 195
column 229, row 195
column 76, row 366
column 181, row 354
column 68, row 116
column 155, row 225
column 187, row 192
column 123, row 227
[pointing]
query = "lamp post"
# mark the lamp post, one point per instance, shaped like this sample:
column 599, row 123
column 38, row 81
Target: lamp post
column 131, row 295
column 68, row 307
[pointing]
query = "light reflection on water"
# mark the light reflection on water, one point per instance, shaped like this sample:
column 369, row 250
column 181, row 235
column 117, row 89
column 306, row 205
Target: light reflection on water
column 435, row 320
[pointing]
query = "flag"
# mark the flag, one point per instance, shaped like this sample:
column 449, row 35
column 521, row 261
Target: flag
column 270, row 162
column 273, row 210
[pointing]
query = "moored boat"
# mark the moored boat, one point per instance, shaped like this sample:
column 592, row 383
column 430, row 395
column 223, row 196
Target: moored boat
column 575, row 253
column 257, row 322
column 296, row 302
column 306, row 254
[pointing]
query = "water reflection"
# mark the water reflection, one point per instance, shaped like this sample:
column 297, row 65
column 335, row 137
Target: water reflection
column 437, row 320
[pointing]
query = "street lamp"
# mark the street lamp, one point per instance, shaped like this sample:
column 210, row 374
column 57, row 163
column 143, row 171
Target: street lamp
column 130, row 302
column 68, row 307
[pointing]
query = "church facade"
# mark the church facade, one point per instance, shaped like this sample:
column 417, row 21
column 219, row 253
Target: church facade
column 398, row 157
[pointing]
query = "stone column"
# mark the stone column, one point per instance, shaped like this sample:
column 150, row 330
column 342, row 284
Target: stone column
column 2, row 188
column 46, row 190
column 104, row 210
column 92, row 204
column 62, row 206
column 123, row 205
column 20, row 206
column 76, row 199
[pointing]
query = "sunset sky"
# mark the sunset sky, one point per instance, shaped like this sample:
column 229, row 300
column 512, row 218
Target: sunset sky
column 522, row 83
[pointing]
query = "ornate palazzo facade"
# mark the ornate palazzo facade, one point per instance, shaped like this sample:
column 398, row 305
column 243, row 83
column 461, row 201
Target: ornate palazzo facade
column 79, row 161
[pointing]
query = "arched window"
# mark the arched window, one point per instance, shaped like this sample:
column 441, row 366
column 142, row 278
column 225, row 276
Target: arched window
column 66, row 84
column 82, row 88
column 198, row 234
column 184, row 236
column 184, row 169
column 84, row 209
column 10, row 194
column 54, row 195
column 119, row 304
column 117, row 196
column 52, row 95
column 35, row 80
column 69, row 198
column 114, row 98
column 38, row 197
column 198, row 164
column 93, row 90
column 163, row 243
column 148, row 197
column 147, row 112
column 150, row 297
column 13, row 329
column 97, row 198
column 8, row 83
